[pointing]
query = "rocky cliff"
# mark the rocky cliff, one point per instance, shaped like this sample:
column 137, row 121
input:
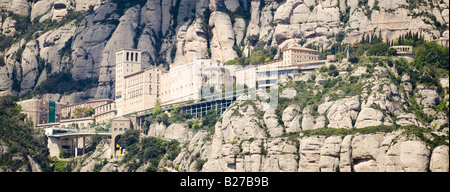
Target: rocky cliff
column 81, row 36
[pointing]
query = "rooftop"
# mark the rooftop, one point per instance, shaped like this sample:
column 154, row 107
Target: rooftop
column 121, row 118
column 125, row 49
column 301, row 49
column 90, row 101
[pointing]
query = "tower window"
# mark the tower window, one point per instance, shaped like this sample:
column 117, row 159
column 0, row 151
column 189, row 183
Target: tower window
column 136, row 57
column 128, row 55
column 132, row 56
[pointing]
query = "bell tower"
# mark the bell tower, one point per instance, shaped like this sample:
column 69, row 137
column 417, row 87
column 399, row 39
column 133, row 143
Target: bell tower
column 128, row 61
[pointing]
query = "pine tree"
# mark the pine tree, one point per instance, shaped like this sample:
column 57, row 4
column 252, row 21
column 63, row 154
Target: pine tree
column 380, row 37
column 416, row 37
column 371, row 38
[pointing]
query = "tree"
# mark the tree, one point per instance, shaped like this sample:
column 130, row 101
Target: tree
column 253, row 39
column 145, row 127
column 156, row 111
column 177, row 116
column 363, row 39
column 163, row 118
column 432, row 54
column 130, row 136
column 210, row 118
column 392, row 51
column 353, row 59
column 379, row 49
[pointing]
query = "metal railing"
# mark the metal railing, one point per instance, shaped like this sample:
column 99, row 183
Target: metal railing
column 81, row 132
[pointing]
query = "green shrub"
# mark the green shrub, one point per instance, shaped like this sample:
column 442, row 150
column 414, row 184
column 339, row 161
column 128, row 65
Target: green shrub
column 353, row 59
column 131, row 136
column 60, row 166
column 151, row 150
column 379, row 49
column 253, row 39
column 392, row 52
column 163, row 118
column 199, row 164
column 353, row 79
column 64, row 83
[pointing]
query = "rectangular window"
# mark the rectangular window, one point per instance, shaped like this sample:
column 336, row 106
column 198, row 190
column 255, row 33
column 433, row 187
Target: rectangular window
column 128, row 54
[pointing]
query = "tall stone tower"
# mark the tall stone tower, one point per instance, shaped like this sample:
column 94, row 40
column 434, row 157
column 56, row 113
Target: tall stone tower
column 128, row 61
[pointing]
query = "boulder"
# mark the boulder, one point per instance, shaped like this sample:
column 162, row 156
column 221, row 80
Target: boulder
column 291, row 118
column 266, row 29
column 231, row 4
column 342, row 112
column 29, row 67
column 308, row 122
column 329, row 154
column 223, row 37
column 9, row 27
column 239, row 29
column 365, row 152
column 439, row 159
column 414, row 156
column 191, row 43
column 359, row 71
column 288, row 93
column 59, row 9
column 310, row 148
column 239, row 123
column 300, row 14
column 430, row 96
column 345, row 160
column 320, row 122
column 82, row 5
column 407, row 119
column 271, row 121
column 409, row 156
column 369, row 117
column 156, row 130
column 253, row 25
column 20, row 7
column 283, row 13
column 177, row 131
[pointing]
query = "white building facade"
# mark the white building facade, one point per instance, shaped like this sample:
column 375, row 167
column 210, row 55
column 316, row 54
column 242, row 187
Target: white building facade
column 138, row 90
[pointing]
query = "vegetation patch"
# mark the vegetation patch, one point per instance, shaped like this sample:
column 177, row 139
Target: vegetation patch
column 147, row 150
column 20, row 138
column 64, row 83
column 424, row 134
